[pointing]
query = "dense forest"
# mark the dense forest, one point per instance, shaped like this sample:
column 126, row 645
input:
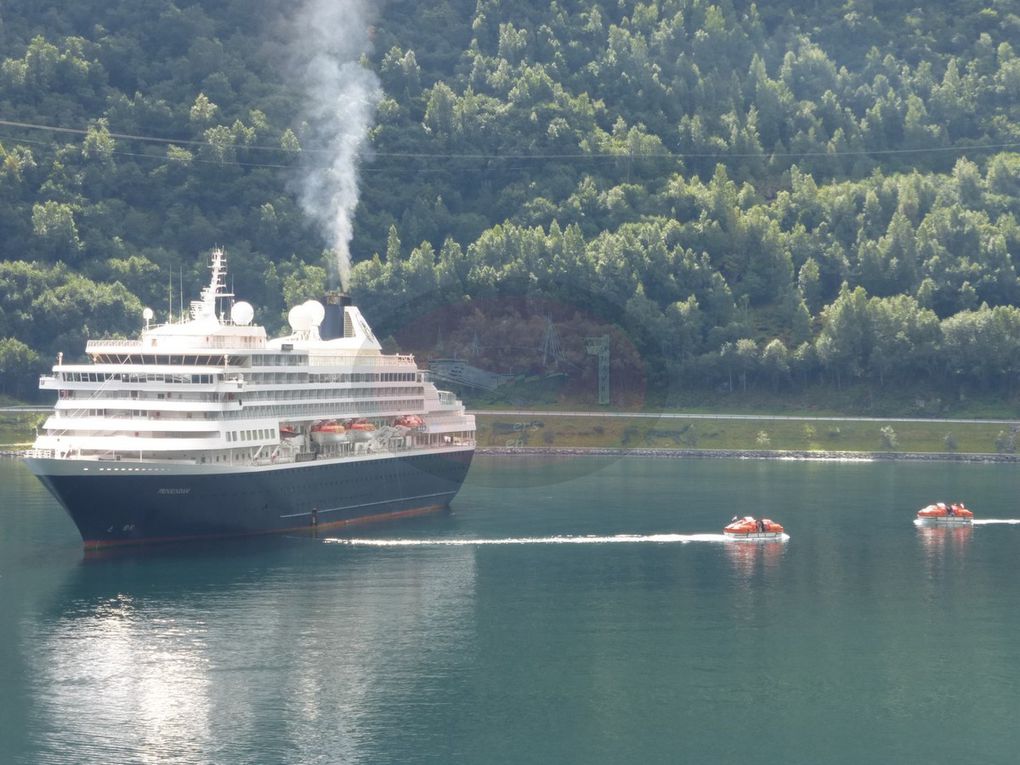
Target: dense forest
column 799, row 195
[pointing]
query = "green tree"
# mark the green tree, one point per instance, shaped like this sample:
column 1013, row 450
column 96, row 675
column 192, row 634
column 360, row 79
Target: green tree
column 775, row 362
column 19, row 367
column 845, row 342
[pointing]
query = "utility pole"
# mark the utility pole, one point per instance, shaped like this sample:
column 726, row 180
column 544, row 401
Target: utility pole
column 599, row 346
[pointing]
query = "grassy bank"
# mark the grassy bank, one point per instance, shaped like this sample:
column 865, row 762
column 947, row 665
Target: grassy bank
column 751, row 434
column 17, row 429
column 858, row 400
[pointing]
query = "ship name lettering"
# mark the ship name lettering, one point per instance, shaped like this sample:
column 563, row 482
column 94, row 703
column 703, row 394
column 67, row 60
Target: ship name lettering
column 173, row 491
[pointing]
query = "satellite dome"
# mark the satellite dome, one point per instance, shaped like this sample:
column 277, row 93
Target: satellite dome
column 316, row 311
column 242, row 313
column 299, row 318
column 147, row 314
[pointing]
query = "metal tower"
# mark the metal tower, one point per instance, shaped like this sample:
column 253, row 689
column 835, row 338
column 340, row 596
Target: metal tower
column 551, row 345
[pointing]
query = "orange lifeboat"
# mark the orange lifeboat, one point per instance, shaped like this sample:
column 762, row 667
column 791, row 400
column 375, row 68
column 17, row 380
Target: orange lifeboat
column 751, row 528
column 409, row 421
column 327, row 432
column 360, row 430
column 944, row 514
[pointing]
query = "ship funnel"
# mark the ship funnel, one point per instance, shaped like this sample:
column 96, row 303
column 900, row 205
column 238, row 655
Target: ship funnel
column 332, row 326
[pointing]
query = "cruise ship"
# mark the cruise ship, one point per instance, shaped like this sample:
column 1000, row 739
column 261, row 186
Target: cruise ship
column 205, row 427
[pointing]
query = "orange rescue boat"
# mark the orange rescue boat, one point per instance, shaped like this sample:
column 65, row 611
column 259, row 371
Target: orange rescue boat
column 753, row 529
column 359, row 429
column 328, row 432
column 945, row 514
column 409, row 422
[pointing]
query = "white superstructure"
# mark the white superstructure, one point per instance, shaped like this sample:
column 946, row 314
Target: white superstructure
column 214, row 390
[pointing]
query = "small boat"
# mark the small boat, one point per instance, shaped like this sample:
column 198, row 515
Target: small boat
column 288, row 431
column 360, row 430
column 409, row 422
column 327, row 432
column 945, row 514
column 753, row 529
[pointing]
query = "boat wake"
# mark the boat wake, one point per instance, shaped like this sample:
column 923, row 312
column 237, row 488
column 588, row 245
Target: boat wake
column 556, row 540
column 975, row 522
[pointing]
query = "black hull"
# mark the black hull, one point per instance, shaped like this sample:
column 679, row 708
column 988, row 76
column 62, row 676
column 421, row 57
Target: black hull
column 123, row 508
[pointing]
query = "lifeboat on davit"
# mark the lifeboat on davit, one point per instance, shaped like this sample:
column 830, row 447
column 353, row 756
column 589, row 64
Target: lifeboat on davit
column 751, row 528
column 328, row 432
column 359, row 429
column 409, row 422
column 945, row 514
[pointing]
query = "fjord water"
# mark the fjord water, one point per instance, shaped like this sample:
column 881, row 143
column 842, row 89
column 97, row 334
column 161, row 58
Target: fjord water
column 861, row 639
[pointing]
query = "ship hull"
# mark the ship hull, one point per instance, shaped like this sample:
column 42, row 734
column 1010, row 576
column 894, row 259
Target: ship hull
column 135, row 503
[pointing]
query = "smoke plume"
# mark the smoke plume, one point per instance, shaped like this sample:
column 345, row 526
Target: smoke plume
column 341, row 96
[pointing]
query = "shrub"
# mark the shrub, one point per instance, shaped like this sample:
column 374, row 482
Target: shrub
column 889, row 440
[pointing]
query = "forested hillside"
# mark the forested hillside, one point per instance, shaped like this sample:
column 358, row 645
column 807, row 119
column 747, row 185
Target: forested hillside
column 803, row 194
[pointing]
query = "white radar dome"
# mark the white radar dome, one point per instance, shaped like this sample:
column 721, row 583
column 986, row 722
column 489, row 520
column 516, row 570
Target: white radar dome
column 299, row 318
column 316, row 311
column 242, row 313
column 147, row 314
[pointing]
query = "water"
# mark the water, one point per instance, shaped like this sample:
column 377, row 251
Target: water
column 567, row 611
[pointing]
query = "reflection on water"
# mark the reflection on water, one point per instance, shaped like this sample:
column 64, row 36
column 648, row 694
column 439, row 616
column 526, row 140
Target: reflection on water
column 108, row 663
column 292, row 655
column 749, row 559
column 938, row 540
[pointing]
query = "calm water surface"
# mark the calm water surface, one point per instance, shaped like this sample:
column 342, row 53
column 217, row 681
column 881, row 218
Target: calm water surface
column 861, row 639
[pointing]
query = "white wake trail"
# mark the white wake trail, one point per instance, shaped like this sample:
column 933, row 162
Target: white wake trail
column 994, row 521
column 555, row 540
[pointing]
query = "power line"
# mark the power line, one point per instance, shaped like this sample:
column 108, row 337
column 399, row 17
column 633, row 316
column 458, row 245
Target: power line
column 147, row 138
column 362, row 170
column 157, row 157
column 538, row 155
column 164, row 158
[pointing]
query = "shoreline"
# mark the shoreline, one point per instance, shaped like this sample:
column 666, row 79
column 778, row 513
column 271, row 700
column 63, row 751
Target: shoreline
column 747, row 454
column 740, row 454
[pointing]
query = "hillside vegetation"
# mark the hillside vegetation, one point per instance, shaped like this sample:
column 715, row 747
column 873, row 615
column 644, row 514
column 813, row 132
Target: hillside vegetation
column 742, row 197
